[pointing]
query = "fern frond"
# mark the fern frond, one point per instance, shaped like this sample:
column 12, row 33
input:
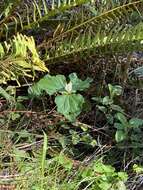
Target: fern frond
column 19, row 57
column 127, row 40
column 106, row 33
column 35, row 13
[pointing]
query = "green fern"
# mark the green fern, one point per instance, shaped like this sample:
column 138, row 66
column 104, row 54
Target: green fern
column 18, row 53
column 18, row 58
column 108, row 32
column 32, row 14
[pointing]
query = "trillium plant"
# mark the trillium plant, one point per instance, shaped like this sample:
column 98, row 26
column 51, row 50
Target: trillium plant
column 67, row 99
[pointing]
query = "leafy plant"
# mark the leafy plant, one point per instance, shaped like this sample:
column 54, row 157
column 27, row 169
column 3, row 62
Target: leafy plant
column 105, row 177
column 124, row 127
column 14, row 103
column 83, row 137
column 115, row 113
column 60, row 173
column 36, row 33
column 69, row 103
column 107, row 105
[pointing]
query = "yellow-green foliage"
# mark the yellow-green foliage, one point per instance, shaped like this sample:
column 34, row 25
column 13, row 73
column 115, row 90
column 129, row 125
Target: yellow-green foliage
column 18, row 58
column 18, row 53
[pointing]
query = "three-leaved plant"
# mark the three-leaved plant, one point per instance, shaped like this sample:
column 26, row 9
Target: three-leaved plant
column 68, row 101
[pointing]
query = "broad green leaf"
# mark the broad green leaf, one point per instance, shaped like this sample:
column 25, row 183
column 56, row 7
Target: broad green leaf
column 120, row 135
column 107, row 101
column 49, row 84
column 35, row 90
column 117, row 90
column 117, row 108
column 102, row 108
column 78, row 84
column 102, row 168
column 122, row 119
column 135, row 122
column 52, row 84
column 114, row 90
column 119, row 126
column 69, row 105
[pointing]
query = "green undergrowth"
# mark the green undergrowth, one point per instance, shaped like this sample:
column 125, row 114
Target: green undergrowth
column 39, row 173
column 71, row 86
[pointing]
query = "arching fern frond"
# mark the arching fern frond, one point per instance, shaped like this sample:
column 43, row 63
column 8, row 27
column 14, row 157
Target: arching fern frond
column 19, row 57
column 116, row 15
column 34, row 13
column 126, row 40
column 104, row 33
column 108, row 31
